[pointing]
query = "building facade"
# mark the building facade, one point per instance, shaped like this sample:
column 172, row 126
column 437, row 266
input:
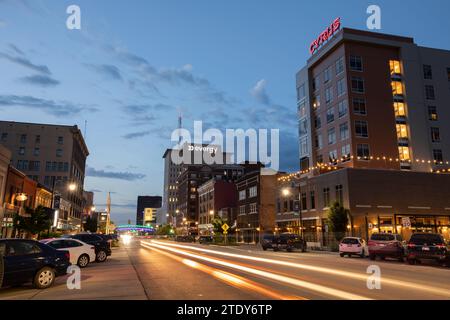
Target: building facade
column 370, row 100
column 5, row 159
column 52, row 155
column 146, row 209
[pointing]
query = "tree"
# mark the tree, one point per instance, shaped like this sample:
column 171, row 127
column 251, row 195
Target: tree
column 338, row 220
column 90, row 225
column 36, row 222
column 217, row 224
column 165, row 230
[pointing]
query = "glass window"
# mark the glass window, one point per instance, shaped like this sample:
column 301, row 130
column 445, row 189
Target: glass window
column 21, row 248
column 333, row 156
column 345, row 152
column 404, row 153
column 253, row 208
column 432, row 113
column 402, row 131
column 435, row 135
column 363, row 151
column 343, row 130
column 23, row 138
column 303, row 127
column 356, row 63
column 304, row 146
column 60, row 140
column 4, row 137
column 315, row 84
column 330, row 115
column 316, row 102
column 328, row 95
column 326, row 197
column 301, row 93
column 331, row 136
column 253, row 192
column 319, row 141
column 427, row 72
column 361, row 129
column 397, row 88
column 317, row 122
column 59, row 152
column 340, row 193
column 327, row 74
column 341, row 88
column 342, row 108
column 302, row 109
column 242, row 210
column 395, row 67
column 448, row 74
column 359, row 106
column 242, row 195
column 38, row 139
column 437, row 156
column 429, row 92
column 22, row 151
column 340, row 66
column 37, row 151
column 357, row 85
column 304, row 201
column 399, row 108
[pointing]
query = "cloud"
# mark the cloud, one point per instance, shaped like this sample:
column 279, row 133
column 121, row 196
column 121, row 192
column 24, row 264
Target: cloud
column 3, row 23
column 259, row 92
column 41, row 80
column 58, row 109
column 16, row 49
column 107, row 70
column 95, row 191
column 127, row 176
column 24, row 62
column 135, row 135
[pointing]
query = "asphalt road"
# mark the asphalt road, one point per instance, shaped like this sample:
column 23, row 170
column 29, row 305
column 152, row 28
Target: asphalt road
column 160, row 270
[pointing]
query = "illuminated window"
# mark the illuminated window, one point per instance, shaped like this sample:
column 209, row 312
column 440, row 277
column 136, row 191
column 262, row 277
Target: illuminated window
column 437, row 155
column 400, row 110
column 316, row 102
column 395, row 67
column 402, row 131
column 397, row 88
column 404, row 153
column 432, row 113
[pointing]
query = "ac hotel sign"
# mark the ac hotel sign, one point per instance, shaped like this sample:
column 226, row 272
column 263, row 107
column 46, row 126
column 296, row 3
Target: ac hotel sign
column 325, row 35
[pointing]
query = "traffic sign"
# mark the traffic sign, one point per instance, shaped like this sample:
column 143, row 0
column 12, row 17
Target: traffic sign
column 225, row 227
column 225, row 232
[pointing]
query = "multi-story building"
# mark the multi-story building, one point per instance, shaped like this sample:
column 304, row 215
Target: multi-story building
column 146, row 209
column 171, row 172
column 53, row 155
column 5, row 159
column 370, row 100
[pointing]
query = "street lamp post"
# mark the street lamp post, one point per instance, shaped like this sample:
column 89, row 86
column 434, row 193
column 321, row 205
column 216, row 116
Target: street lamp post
column 286, row 193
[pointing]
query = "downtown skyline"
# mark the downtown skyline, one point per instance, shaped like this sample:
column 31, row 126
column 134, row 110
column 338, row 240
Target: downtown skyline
column 129, row 73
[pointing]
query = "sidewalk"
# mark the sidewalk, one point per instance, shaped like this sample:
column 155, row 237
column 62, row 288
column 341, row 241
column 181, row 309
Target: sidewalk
column 113, row 280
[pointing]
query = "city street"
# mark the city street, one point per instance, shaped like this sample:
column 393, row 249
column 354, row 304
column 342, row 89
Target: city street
column 159, row 270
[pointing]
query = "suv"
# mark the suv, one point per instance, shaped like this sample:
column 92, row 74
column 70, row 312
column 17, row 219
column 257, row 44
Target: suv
column 427, row 246
column 31, row 261
column 352, row 246
column 205, row 239
column 386, row 245
column 290, row 242
column 102, row 246
column 268, row 242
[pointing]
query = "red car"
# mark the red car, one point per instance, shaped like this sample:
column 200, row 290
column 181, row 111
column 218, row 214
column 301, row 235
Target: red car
column 385, row 245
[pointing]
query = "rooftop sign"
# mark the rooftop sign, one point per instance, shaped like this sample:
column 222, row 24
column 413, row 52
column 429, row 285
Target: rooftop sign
column 325, row 35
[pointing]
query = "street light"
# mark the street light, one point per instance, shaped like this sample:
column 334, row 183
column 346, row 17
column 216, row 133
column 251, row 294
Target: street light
column 72, row 187
column 287, row 193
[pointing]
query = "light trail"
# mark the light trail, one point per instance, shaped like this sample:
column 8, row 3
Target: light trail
column 273, row 276
column 364, row 277
column 230, row 278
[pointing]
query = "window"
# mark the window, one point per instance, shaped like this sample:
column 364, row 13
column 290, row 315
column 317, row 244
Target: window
column 361, row 129
column 301, row 93
column 432, row 113
column 356, row 63
column 59, row 152
column 253, row 208
column 316, row 102
column 304, row 201
column 397, row 88
column 448, row 74
column 22, row 248
column 402, row 131
column 340, row 194
column 60, row 169
column 395, row 67
column 343, row 130
column 242, row 195
column 319, row 141
column 303, row 127
column 404, row 153
column 242, row 210
column 437, row 156
column 363, row 151
column 340, row 66
column 435, row 135
column 342, row 108
column 37, row 151
column 327, row 74
column 328, row 95
column 357, row 85
column 253, row 192
column 38, row 139
column 23, row 138
column 315, row 84
column 326, row 197
column 66, row 167
column 333, row 156
column 60, row 140
column 359, row 106
column 399, row 108
column 341, row 87
column 54, row 166
column 319, row 158
column 330, row 115
column 345, row 152
column 312, row 197
column 4, row 137
column 47, row 180
column 21, row 151
column 427, row 72
column 331, row 136
column 35, row 165
column 302, row 109
column 304, row 146
column 317, row 122
column 429, row 92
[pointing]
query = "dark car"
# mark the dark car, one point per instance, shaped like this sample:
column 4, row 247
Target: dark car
column 102, row 245
column 427, row 246
column 268, row 241
column 30, row 261
column 185, row 239
column 205, row 239
column 291, row 242
column 385, row 245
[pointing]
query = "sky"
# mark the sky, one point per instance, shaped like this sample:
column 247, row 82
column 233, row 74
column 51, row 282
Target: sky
column 135, row 65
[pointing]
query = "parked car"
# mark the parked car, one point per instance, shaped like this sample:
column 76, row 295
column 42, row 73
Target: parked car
column 31, row 261
column 386, row 245
column 268, row 242
column 80, row 253
column 284, row 241
column 102, row 246
column 185, row 239
column 205, row 239
column 427, row 246
column 353, row 246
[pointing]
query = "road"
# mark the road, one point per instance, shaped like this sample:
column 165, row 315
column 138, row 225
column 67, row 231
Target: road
column 159, row 270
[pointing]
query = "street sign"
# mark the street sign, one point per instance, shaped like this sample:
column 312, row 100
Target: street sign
column 225, row 227
column 225, row 232
column 57, row 202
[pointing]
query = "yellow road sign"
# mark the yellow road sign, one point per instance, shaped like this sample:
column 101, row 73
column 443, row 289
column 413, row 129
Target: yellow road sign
column 225, row 227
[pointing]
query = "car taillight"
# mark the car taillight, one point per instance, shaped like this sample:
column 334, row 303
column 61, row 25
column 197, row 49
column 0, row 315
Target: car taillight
column 411, row 245
column 371, row 243
column 441, row 246
column 67, row 254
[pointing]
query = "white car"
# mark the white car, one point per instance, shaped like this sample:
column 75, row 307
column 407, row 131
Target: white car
column 80, row 253
column 353, row 246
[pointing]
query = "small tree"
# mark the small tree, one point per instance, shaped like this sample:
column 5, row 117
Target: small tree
column 35, row 223
column 90, row 225
column 338, row 220
column 165, row 230
column 217, row 223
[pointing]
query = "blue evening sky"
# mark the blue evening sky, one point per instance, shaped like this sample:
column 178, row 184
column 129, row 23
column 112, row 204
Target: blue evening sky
column 136, row 64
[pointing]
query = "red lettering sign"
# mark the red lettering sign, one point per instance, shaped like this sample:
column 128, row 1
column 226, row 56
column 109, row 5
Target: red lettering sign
column 325, row 35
